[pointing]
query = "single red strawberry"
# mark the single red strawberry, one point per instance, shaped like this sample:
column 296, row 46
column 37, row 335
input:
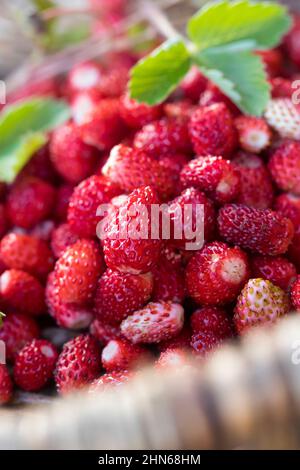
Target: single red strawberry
column 114, row 81
column 275, row 269
column 258, row 230
column 213, row 95
column 62, row 237
column 163, row 137
column 87, row 197
column 182, row 109
column 120, row 294
column 214, row 320
column 216, row 274
column 175, row 358
column 111, row 379
column 137, row 252
column 273, row 61
column 295, row 294
column 66, row 315
column 34, row 365
column 253, row 133
column 168, row 282
column 213, row 175
column 16, row 331
column 154, row 323
column 284, row 166
column 104, row 332
column 30, row 201
column 281, row 87
column 136, row 114
column 83, row 103
column 21, row 291
column 130, row 169
column 40, row 166
column 212, row 131
column 259, row 303
column 256, row 189
column 283, row 116
column 84, row 77
column 72, row 158
column 77, row 272
column 26, row 253
column 6, row 385
column 103, row 127
column 120, row 354
column 78, row 364
column 204, row 343
column 64, row 194
column 193, row 84
column 289, row 206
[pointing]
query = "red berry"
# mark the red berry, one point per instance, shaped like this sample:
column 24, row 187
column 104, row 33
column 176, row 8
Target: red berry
column 259, row 230
column 168, row 282
column 213, row 95
column 21, row 291
column 216, row 274
column 163, row 137
column 120, row 294
column 213, row 175
column 84, row 77
column 103, row 127
column 259, row 303
column 193, row 84
column 181, row 341
column 179, row 109
column 114, row 82
column 124, row 252
column 154, row 323
column 205, row 342
column 295, row 293
column 212, row 319
column 6, row 386
column 66, row 315
column 137, row 114
column 212, row 131
column 289, row 206
column 256, row 188
column 275, row 269
column 175, row 358
column 29, row 202
column 104, row 332
column 84, row 202
column 3, row 220
column 62, row 238
column 77, row 272
column 292, row 42
column 131, row 169
column 43, row 230
column 26, row 253
column 64, row 194
column 120, row 354
column 83, row 103
column 284, row 166
column 39, row 166
column 281, row 87
column 78, row 364
column 35, row 364
column 253, row 133
column 111, row 379
column 283, row 115
column 273, row 61
column 17, row 330
column 73, row 159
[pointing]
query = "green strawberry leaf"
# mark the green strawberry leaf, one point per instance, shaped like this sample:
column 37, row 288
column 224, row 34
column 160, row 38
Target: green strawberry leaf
column 223, row 22
column 156, row 76
column 241, row 76
column 23, row 131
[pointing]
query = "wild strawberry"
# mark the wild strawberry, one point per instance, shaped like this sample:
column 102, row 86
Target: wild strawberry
column 29, row 202
column 16, row 331
column 294, row 249
column 85, row 200
column 178, row 213
column 291, row 41
column 26, row 253
column 284, row 117
column 253, row 133
column 175, row 358
column 77, row 272
column 111, row 379
column 6, row 386
column 114, row 81
column 193, row 84
column 62, row 237
column 43, row 230
column 83, row 103
column 281, row 87
column 180, row 341
column 214, row 320
column 213, row 95
column 275, row 269
column 168, row 282
column 259, row 303
column 259, row 230
column 284, row 166
column 3, row 220
column 103, row 127
column 138, row 253
column 289, row 206
column 64, row 194
column 215, row 274
column 273, row 61
column 163, row 137
column 73, row 159
column 21, row 291
column 131, row 169
column 256, row 189
column 104, row 332
column 120, row 354
column 154, row 323
column 66, row 315
column 213, row 175
column 120, row 294
column 137, row 114
column 34, row 365
column 182, row 109
column 212, row 131
column 204, row 343
column 39, row 166
column 78, row 364
column 84, row 77
column 295, row 293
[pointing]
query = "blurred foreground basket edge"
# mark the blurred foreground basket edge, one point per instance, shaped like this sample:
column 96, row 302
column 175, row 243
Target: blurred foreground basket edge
column 246, row 396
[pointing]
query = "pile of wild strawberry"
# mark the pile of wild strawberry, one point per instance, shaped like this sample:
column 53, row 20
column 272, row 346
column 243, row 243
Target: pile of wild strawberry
column 120, row 302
